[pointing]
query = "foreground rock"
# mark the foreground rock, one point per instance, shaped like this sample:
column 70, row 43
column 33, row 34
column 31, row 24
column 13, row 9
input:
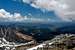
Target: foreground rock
column 60, row 42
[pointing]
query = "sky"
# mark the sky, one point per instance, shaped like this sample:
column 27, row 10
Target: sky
column 37, row 10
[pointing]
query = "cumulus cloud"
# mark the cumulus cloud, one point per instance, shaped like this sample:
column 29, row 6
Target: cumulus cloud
column 7, row 16
column 67, row 14
column 63, row 8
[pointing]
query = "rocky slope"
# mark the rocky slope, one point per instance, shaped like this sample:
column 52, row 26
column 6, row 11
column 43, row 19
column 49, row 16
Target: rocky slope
column 14, row 35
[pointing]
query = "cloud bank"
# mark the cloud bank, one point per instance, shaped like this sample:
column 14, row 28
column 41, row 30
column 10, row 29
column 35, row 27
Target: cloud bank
column 64, row 9
column 8, row 17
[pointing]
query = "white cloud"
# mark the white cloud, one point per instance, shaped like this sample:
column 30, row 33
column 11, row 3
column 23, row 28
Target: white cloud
column 67, row 14
column 4, row 14
column 45, row 4
column 7, row 16
column 61, row 7
column 27, row 1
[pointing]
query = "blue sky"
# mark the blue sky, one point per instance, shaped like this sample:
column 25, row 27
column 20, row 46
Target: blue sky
column 24, row 9
column 46, row 9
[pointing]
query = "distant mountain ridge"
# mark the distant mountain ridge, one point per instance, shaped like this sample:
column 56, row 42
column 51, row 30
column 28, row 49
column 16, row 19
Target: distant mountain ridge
column 39, row 31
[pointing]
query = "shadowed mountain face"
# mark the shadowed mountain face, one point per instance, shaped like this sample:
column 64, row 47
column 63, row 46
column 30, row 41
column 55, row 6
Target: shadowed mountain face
column 14, row 34
column 68, row 28
column 24, row 32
